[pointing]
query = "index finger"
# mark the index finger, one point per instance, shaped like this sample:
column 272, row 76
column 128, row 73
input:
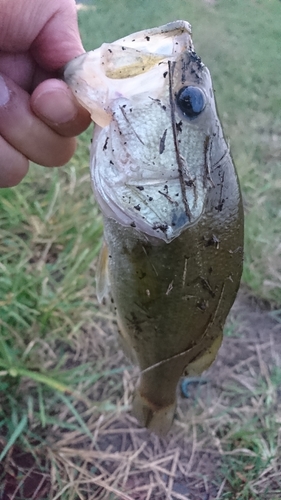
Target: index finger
column 49, row 30
column 59, row 40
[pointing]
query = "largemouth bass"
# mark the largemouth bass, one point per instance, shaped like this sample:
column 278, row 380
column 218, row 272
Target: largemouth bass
column 173, row 220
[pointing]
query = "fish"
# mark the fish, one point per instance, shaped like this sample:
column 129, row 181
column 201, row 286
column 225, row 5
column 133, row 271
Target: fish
column 164, row 179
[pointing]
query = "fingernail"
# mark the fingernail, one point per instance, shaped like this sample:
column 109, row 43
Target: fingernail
column 4, row 92
column 56, row 107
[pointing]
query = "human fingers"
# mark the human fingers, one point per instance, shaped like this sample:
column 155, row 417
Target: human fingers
column 59, row 39
column 47, row 29
column 23, row 130
column 13, row 165
column 20, row 67
column 53, row 102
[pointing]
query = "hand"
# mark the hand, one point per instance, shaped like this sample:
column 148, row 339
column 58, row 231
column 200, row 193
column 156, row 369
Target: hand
column 38, row 115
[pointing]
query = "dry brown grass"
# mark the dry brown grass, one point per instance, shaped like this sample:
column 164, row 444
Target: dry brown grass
column 225, row 442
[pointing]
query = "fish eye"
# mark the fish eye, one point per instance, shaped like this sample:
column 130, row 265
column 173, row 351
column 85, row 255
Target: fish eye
column 191, row 101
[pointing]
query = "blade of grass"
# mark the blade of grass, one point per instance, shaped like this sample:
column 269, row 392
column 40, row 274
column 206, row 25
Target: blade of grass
column 81, row 422
column 17, row 432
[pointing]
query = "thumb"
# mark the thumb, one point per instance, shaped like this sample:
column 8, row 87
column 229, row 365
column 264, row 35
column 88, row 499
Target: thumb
column 59, row 40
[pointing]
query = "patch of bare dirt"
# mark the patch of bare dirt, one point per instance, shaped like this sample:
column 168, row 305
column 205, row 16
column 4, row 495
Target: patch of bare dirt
column 232, row 419
column 127, row 462
column 21, row 478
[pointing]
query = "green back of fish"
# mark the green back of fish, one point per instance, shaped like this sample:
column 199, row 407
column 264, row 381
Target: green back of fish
column 173, row 299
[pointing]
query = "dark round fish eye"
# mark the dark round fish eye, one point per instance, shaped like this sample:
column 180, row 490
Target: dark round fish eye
column 191, row 101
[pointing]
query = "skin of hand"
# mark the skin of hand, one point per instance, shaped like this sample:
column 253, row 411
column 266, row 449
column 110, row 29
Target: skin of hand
column 38, row 115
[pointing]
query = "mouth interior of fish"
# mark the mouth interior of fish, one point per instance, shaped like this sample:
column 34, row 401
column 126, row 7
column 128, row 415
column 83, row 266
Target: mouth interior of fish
column 95, row 76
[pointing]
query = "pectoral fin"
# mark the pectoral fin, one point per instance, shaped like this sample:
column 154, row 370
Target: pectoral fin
column 102, row 275
column 204, row 361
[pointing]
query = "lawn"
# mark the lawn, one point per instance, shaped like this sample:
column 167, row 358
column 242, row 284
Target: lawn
column 65, row 387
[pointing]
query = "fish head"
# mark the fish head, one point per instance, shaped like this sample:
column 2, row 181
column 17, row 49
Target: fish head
column 152, row 100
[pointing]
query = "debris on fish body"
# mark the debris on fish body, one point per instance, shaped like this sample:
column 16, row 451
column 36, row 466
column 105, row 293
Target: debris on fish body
column 173, row 219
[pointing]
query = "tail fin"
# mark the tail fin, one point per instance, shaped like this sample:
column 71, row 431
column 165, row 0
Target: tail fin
column 157, row 419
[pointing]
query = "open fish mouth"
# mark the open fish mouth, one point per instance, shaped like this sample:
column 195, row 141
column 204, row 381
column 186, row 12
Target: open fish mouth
column 151, row 98
column 95, row 76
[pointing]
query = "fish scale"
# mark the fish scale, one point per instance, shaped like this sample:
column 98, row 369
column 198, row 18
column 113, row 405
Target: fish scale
column 173, row 219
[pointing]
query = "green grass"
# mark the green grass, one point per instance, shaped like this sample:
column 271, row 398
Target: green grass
column 46, row 285
column 250, row 443
column 45, row 257
column 50, row 229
